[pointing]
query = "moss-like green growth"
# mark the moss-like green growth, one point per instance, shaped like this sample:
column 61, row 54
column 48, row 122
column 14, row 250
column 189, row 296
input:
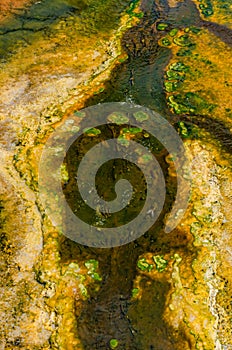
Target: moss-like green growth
column 123, row 59
column 64, row 173
column 132, row 10
column 92, row 266
column 175, row 75
column 207, row 12
column 79, row 114
column 194, row 30
column 139, row 14
column 190, row 103
column 183, row 130
column 177, row 107
column 118, row 118
column 166, row 42
column 173, row 32
column 92, row 131
column 171, row 86
column 141, row 116
column 179, row 67
column 99, row 91
column 131, row 131
column 172, row 75
column 160, row 262
column 113, row 343
column 146, row 158
column 96, row 276
column 183, row 40
column 143, row 265
column 123, row 140
column 135, row 292
column 206, row 8
column 162, row 26
column 126, row 133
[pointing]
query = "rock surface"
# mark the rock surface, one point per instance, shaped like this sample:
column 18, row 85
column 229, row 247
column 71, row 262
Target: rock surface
column 57, row 294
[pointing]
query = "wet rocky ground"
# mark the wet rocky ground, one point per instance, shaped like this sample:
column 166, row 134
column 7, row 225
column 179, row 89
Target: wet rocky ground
column 164, row 290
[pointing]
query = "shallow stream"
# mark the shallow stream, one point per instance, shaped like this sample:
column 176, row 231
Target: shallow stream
column 111, row 311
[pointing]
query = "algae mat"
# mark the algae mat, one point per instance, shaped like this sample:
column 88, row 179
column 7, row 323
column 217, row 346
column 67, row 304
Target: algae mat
column 164, row 290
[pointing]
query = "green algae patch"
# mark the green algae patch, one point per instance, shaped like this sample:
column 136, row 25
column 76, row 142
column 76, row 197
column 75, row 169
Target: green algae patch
column 135, row 292
column 166, row 42
column 187, row 130
column 96, row 276
column 194, row 30
column 173, row 32
column 179, row 67
column 178, row 38
column 190, row 103
column 206, row 7
column 123, row 58
column 79, row 114
column 131, row 131
column 146, row 158
column 133, row 10
column 127, row 133
column 118, row 118
column 92, row 131
column 83, row 290
column 123, row 140
column 171, row 86
column 160, row 262
column 162, row 26
column 64, row 173
column 183, row 40
column 113, row 343
column 143, row 265
column 141, row 116
column 92, row 266
column 175, row 75
column 172, row 75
